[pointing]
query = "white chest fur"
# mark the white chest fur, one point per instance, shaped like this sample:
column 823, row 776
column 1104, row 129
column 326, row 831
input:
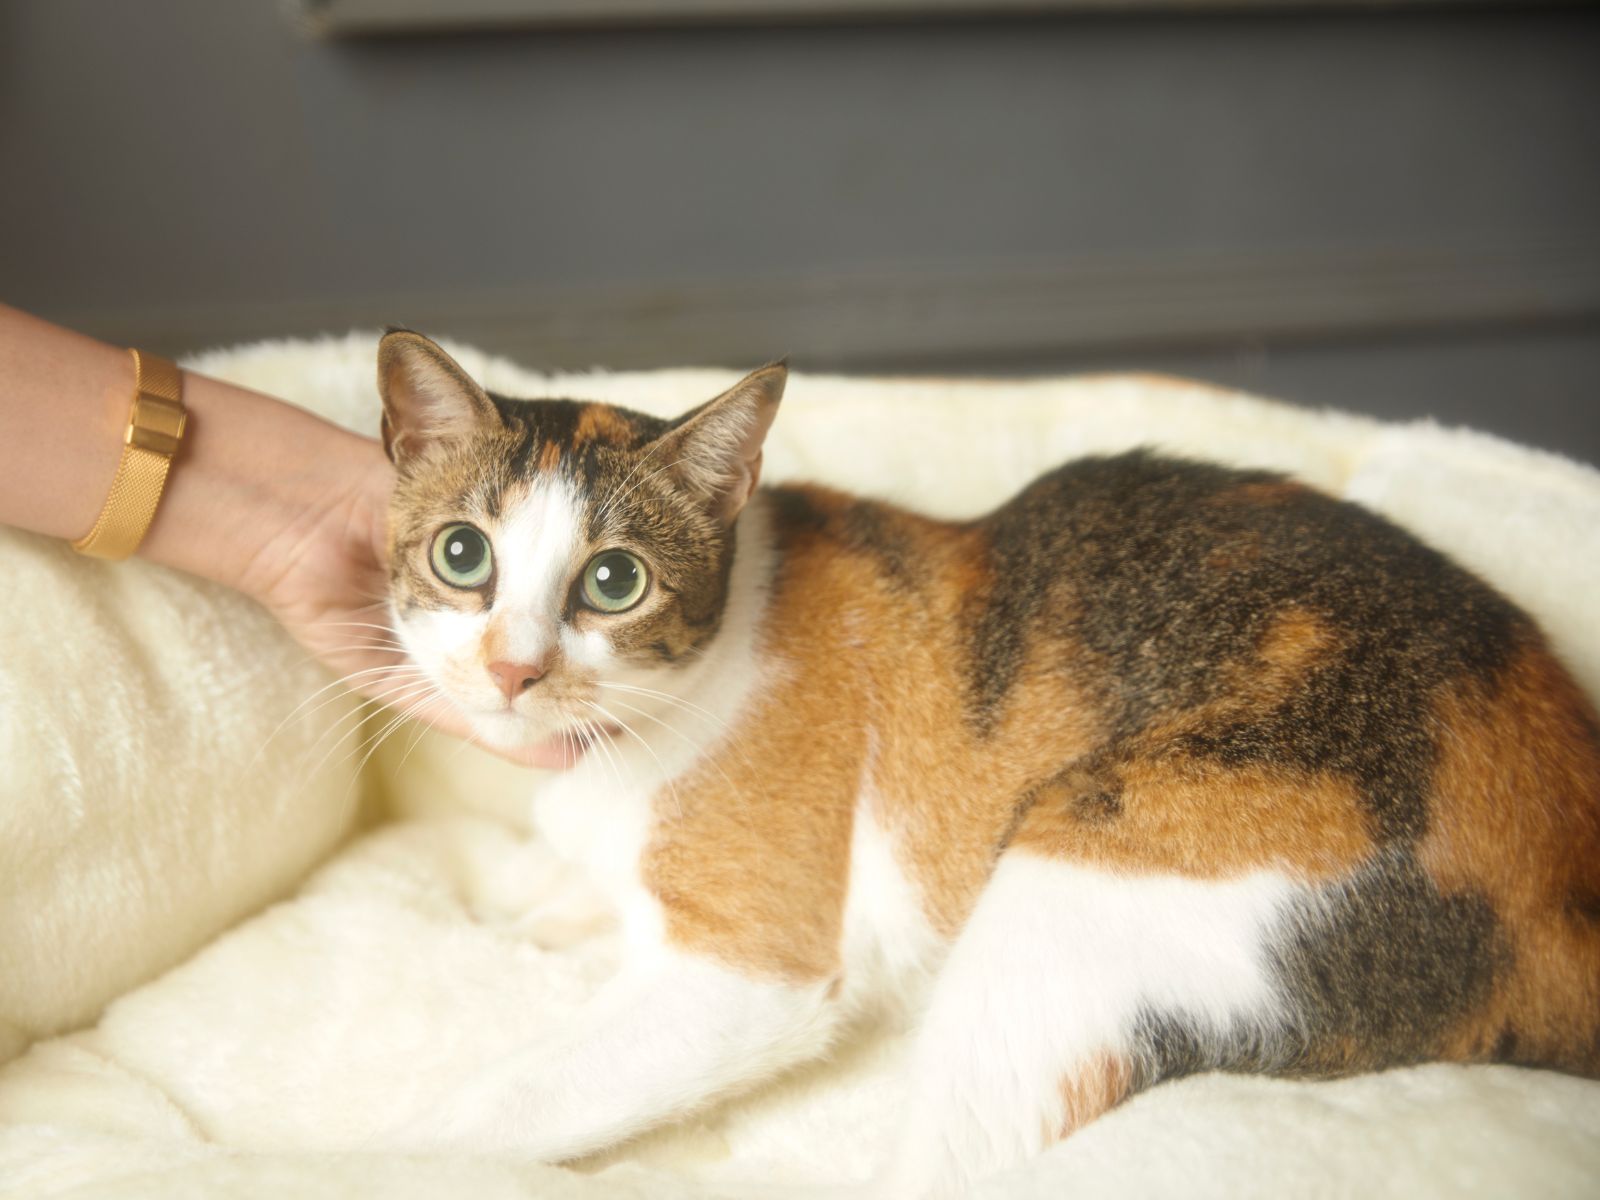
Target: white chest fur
column 891, row 952
column 601, row 813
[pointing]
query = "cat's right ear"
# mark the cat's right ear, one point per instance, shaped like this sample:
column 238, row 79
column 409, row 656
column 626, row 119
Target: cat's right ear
column 427, row 397
column 714, row 451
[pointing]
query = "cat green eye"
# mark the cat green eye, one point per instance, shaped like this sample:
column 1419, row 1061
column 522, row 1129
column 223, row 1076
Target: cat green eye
column 614, row 581
column 461, row 556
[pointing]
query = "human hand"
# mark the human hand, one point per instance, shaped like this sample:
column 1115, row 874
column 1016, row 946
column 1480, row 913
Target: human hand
column 264, row 497
column 324, row 575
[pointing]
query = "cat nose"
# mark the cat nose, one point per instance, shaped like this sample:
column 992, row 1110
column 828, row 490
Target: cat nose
column 515, row 678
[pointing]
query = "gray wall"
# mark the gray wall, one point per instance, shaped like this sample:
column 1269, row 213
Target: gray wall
column 1392, row 212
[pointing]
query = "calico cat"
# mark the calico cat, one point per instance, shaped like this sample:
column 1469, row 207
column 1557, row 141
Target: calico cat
column 1161, row 767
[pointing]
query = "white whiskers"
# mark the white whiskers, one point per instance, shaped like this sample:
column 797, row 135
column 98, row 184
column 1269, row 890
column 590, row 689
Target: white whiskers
column 666, row 775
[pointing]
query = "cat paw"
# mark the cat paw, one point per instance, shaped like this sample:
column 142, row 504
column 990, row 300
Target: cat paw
column 533, row 895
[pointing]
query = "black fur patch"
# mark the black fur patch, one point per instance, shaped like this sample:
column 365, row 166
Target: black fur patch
column 1166, row 1047
column 1169, row 573
column 1505, row 1046
column 867, row 528
column 1389, row 968
column 1585, row 906
column 795, row 514
column 1374, row 981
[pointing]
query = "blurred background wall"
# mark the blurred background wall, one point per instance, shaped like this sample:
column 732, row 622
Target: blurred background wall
column 1393, row 208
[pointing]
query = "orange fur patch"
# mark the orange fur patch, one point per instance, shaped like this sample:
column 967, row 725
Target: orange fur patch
column 751, row 861
column 1193, row 818
column 751, row 851
column 1292, row 643
column 601, row 423
column 1158, row 808
column 1516, row 816
column 951, row 821
column 1097, row 1087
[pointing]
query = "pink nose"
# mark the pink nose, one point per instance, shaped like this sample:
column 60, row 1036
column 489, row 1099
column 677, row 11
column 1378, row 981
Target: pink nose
column 515, row 678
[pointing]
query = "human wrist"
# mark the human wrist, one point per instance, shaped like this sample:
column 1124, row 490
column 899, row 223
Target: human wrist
column 64, row 401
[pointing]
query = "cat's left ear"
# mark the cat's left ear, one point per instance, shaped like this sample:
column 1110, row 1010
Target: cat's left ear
column 714, row 451
column 427, row 397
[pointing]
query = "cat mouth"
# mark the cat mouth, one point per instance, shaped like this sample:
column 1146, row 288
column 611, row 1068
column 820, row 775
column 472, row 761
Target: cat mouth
column 564, row 749
column 559, row 750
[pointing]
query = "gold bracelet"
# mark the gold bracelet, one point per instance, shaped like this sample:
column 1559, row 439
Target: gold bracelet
column 155, row 427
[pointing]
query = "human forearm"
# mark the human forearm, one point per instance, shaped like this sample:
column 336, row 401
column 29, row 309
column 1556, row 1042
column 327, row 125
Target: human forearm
column 252, row 471
column 60, row 424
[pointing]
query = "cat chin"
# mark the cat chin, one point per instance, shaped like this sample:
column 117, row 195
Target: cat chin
column 536, row 745
column 506, row 730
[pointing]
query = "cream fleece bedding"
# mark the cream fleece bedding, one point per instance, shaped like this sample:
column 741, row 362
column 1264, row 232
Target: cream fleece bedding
column 157, row 786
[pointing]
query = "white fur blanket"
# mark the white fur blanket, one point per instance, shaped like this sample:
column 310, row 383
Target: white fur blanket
column 156, row 788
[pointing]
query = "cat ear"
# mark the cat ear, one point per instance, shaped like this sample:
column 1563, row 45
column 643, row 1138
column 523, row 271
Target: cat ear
column 427, row 397
column 714, row 451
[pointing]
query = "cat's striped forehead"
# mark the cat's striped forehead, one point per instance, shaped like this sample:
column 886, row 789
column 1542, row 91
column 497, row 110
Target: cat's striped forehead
column 573, row 426
column 592, row 446
column 584, row 441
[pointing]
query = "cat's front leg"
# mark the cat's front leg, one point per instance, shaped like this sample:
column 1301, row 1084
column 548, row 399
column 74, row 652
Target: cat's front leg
column 663, row 1039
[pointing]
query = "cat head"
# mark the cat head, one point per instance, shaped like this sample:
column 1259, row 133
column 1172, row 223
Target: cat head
column 548, row 555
